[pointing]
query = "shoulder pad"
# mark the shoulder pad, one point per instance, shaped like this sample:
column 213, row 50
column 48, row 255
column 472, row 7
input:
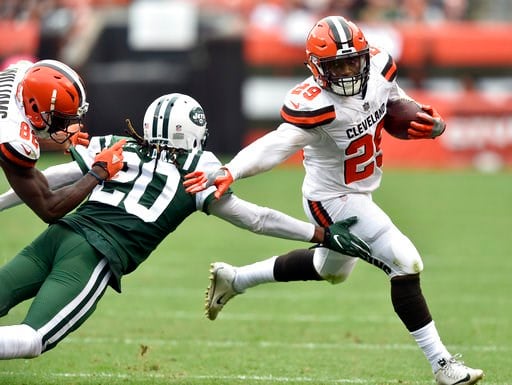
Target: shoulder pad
column 307, row 106
column 383, row 63
column 19, row 154
column 201, row 160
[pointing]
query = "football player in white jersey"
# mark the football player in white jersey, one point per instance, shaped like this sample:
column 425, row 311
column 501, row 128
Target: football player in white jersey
column 336, row 117
column 42, row 100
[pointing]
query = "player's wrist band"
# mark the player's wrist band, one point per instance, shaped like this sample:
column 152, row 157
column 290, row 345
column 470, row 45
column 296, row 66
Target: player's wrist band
column 98, row 178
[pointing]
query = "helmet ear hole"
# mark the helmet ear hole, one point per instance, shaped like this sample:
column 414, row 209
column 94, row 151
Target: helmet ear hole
column 34, row 106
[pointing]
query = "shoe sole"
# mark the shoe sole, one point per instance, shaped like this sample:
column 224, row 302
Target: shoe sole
column 209, row 293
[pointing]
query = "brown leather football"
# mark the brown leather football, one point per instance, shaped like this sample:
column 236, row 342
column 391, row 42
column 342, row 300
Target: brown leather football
column 399, row 115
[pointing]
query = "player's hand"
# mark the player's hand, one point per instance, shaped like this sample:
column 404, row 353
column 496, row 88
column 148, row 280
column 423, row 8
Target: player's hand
column 431, row 124
column 79, row 138
column 111, row 159
column 75, row 136
column 339, row 238
column 197, row 181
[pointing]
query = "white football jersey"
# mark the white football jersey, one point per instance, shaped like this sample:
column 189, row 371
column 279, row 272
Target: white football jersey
column 340, row 135
column 18, row 143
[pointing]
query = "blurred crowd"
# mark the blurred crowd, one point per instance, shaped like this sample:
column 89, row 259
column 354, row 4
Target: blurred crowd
column 411, row 10
column 59, row 21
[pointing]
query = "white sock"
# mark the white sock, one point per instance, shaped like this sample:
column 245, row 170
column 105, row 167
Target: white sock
column 429, row 341
column 19, row 341
column 252, row 275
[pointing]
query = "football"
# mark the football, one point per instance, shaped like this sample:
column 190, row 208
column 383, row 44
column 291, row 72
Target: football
column 399, row 115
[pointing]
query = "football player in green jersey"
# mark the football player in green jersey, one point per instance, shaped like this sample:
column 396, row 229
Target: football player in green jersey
column 68, row 267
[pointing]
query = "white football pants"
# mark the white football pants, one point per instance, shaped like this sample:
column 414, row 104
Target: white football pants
column 392, row 251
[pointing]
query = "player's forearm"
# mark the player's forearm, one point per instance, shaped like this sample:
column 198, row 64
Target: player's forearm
column 263, row 154
column 57, row 176
column 32, row 187
column 262, row 220
column 67, row 198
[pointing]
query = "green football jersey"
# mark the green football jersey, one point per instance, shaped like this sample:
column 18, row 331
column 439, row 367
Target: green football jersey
column 127, row 217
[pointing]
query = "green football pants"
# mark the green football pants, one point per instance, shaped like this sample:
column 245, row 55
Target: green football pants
column 64, row 275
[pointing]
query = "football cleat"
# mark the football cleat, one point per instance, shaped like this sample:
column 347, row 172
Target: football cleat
column 220, row 290
column 454, row 372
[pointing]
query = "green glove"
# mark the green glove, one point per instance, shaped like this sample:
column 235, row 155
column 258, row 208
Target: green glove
column 339, row 238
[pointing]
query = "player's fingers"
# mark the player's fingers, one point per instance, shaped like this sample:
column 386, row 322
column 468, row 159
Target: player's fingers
column 350, row 221
column 194, row 174
column 428, row 108
column 195, row 188
column 194, row 181
column 420, row 127
column 425, row 117
column 363, row 249
column 119, row 144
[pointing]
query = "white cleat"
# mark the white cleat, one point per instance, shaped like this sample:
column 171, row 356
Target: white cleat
column 454, row 372
column 220, row 290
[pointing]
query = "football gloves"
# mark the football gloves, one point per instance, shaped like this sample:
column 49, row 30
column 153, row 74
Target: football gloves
column 111, row 159
column 75, row 137
column 431, row 124
column 79, row 138
column 197, row 181
column 339, row 238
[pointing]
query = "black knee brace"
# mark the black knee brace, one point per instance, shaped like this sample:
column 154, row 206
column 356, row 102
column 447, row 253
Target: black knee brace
column 408, row 301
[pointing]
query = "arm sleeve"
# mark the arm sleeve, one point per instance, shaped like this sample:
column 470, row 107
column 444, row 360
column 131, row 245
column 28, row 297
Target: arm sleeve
column 59, row 175
column 261, row 220
column 269, row 150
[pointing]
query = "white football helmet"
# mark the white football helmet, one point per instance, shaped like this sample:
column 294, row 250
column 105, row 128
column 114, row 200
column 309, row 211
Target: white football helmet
column 175, row 121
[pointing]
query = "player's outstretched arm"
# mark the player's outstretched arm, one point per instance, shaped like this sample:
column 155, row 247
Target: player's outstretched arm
column 57, row 176
column 263, row 220
column 32, row 187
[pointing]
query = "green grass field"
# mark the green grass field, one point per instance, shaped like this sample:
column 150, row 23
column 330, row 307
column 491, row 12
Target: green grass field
column 295, row 333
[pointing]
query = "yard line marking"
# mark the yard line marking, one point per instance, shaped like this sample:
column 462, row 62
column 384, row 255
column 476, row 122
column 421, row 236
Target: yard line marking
column 267, row 379
column 273, row 344
column 170, row 378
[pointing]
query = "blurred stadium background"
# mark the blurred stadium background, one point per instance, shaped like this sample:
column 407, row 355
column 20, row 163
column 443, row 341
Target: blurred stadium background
column 239, row 57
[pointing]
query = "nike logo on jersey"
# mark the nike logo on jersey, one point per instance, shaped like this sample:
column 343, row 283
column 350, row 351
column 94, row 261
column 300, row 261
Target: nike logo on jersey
column 295, row 105
column 27, row 150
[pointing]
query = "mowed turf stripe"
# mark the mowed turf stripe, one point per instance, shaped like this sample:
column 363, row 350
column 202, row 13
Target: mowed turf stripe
column 266, row 379
column 274, row 344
